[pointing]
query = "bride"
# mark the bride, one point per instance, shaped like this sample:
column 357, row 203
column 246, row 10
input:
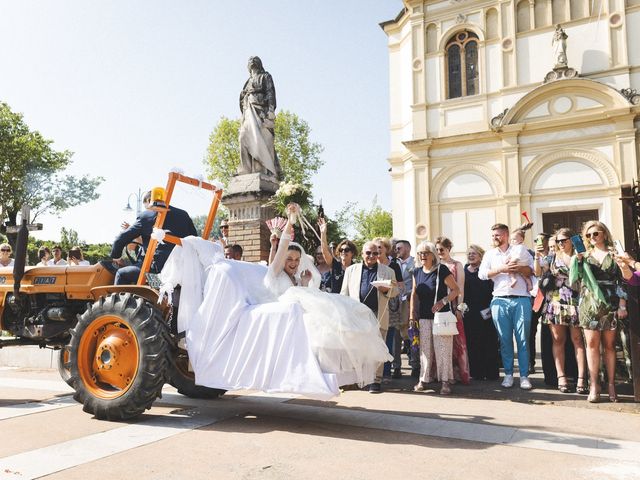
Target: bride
column 270, row 329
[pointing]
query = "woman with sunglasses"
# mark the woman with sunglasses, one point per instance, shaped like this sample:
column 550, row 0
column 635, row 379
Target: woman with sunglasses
column 603, row 301
column 560, row 310
column 5, row 255
column 460, row 356
column 432, row 278
column 346, row 252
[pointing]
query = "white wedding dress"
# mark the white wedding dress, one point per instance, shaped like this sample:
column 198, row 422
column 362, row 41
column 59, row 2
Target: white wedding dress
column 249, row 327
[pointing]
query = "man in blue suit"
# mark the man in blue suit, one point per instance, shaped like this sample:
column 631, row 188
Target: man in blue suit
column 177, row 223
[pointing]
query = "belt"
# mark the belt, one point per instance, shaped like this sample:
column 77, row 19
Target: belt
column 511, row 296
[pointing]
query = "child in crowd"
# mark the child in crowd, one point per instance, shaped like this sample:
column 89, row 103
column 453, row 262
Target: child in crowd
column 520, row 254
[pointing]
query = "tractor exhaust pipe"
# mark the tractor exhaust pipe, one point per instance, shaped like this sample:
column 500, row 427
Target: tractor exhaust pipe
column 20, row 260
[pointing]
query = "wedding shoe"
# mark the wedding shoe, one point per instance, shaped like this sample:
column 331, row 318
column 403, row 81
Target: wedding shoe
column 594, row 395
column 613, row 397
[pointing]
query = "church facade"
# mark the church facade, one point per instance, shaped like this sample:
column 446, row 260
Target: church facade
column 502, row 107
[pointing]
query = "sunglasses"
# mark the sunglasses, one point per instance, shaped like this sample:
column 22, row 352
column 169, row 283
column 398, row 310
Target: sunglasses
column 371, row 254
column 594, row 234
column 5, row 250
column 224, row 226
column 344, row 250
column 561, row 240
column 423, row 254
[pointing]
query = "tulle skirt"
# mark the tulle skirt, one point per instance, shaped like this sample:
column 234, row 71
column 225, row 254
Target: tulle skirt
column 343, row 333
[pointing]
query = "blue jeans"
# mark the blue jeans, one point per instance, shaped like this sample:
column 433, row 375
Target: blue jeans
column 127, row 275
column 513, row 316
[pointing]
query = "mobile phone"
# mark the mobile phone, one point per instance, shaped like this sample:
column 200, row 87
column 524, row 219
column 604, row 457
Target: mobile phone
column 578, row 244
column 619, row 247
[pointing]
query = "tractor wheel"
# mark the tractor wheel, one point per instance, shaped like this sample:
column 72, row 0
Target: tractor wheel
column 119, row 357
column 64, row 365
column 184, row 380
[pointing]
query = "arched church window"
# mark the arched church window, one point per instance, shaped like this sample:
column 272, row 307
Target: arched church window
column 462, row 65
column 523, row 16
column 492, row 24
column 540, row 12
column 578, row 9
column 432, row 38
column 558, row 11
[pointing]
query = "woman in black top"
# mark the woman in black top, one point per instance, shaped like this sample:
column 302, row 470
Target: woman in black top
column 433, row 348
column 482, row 340
column 346, row 251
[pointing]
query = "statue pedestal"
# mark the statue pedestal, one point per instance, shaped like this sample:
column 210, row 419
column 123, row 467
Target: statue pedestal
column 245, row 197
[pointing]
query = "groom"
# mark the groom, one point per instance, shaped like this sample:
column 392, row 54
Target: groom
column 357, row 285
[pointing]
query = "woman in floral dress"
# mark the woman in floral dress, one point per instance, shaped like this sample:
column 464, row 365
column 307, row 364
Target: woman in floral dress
column 560, row 310
column 603, row 301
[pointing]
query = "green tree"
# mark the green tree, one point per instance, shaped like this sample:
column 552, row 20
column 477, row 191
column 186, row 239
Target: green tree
column 68, row 239
column 200, row 220
column 299, row 157
column 365, row 224
column 32, row 173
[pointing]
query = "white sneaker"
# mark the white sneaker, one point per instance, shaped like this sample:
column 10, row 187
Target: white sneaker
column 525, row 384
column 508, row 381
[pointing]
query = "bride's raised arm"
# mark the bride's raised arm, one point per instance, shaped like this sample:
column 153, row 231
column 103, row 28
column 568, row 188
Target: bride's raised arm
column 277, row 264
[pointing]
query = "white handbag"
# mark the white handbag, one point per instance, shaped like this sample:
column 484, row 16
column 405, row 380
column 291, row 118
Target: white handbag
column 444, row 323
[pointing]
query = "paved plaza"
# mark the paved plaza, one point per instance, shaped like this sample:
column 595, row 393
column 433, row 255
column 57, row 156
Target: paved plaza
column 481, row 431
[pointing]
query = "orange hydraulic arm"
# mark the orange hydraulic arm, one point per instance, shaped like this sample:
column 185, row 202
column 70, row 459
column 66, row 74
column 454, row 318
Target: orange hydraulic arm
column 162, row 214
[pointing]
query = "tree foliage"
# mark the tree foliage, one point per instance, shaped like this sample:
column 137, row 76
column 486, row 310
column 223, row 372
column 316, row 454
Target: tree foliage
column 32, row 172
column 365, row 224
column 299, row 157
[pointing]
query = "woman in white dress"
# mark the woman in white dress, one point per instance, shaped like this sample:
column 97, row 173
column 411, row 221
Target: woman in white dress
column 249, row 327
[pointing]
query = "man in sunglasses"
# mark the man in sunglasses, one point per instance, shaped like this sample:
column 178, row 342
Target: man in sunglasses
column 511, row 304
column 358, row 283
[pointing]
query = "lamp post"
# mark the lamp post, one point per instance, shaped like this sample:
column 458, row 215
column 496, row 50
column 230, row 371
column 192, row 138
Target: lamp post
column 138, row 197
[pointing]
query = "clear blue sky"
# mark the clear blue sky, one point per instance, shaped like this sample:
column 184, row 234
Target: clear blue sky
column 134, row 88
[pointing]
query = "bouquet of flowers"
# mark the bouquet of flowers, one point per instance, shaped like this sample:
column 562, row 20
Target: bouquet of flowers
column 287, row 193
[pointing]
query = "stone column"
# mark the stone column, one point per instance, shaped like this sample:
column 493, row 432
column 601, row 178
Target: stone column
column 245, row 197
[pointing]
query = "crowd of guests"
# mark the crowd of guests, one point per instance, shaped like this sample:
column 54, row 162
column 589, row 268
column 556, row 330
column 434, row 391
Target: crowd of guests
column 457, row 323
column 47, row 257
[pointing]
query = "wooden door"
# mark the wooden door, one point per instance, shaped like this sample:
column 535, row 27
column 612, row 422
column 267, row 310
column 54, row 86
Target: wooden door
column 552, row 221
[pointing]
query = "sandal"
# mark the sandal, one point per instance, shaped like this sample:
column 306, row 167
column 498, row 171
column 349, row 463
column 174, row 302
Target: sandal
column 613, row 397
column 582, row 389
column 564, row 388
column 594, row 395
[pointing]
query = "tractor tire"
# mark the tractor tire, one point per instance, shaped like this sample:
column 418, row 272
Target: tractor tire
column 64, row 365
column 119, row 356
column 184, row 380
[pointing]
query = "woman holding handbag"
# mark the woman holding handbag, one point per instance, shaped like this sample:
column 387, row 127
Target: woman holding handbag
column 433, row 290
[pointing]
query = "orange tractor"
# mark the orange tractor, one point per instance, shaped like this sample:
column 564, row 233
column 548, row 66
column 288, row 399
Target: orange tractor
column 118, row 345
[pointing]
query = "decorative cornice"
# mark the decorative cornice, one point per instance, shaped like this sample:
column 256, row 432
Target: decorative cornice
column 631, row 94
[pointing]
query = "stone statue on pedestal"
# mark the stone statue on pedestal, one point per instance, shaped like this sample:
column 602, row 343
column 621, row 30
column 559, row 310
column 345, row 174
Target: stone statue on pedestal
column 559, row 44
column 258, row 104
column 561, row 69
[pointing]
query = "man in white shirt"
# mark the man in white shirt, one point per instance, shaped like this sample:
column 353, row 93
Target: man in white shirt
column 57, row 257
column 511, row 305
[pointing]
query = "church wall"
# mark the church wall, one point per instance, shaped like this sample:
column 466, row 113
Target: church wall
column 453, row 175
